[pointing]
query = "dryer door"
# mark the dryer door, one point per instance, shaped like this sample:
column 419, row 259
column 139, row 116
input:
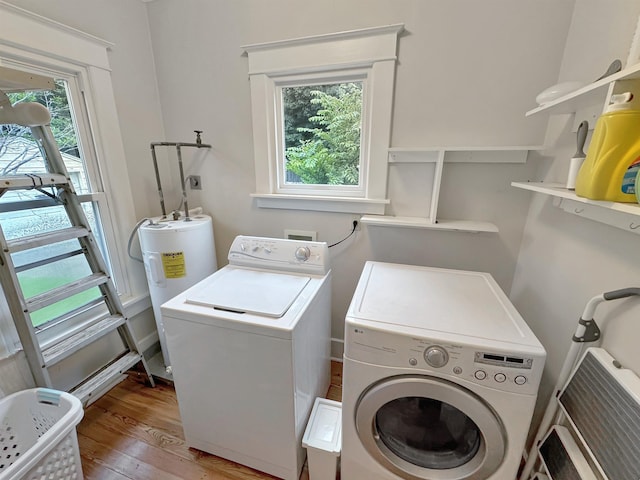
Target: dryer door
column 426, row 428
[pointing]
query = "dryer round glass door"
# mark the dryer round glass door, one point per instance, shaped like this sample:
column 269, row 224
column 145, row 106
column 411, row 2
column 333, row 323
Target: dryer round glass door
column 426, row 428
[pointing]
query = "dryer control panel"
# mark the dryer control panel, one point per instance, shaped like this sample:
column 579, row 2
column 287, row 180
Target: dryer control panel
column 280, row 254
column 514, row 370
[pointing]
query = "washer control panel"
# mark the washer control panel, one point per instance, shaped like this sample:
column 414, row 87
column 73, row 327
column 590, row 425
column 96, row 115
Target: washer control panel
column 436, row 356
column 507, row 371
column 280, row 254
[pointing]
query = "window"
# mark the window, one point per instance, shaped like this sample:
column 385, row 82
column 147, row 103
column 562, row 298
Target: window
column 86, row 127
column 321, row 138
column 321, row 110
column 19, row 212
column 322, row 127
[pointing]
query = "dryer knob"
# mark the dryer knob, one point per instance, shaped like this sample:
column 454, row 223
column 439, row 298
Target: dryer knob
column 303, row 253
column 436, row 356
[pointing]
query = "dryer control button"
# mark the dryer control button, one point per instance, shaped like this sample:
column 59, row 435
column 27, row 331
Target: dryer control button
column 436, row 356
column 413, row 362
column 457, row 370
column 500, row 377
column 520, row 380
column 480, row 374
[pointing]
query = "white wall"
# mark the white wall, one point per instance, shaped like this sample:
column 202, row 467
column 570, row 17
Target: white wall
column 467, row 71
column 565, row 260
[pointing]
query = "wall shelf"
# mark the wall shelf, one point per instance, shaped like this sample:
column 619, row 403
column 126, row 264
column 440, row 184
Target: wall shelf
column 625, row 216
column 588, row 95
column 426, row 223
column 438, row 156
column 508, row 154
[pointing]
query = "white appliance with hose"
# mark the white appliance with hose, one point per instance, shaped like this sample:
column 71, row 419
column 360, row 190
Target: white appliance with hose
column 250, row 350
column 440, row 377
column 177, row 254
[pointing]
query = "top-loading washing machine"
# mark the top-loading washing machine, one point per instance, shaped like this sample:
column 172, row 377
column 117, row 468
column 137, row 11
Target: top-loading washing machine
column 250, row 348
column 440, row 377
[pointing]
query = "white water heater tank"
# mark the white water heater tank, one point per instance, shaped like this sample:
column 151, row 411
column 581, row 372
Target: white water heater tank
column 177, row 254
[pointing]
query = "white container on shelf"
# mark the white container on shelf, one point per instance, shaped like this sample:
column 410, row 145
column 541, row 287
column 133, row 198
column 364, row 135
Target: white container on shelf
column 323, row 439
column 177, row 254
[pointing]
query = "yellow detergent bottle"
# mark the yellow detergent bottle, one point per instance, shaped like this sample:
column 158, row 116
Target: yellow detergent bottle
column 613, row 160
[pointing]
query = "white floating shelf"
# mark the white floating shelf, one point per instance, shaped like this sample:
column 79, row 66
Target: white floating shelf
column 426, row 223
column 558, row 190
column 508, row 154
column 587, row 95
column 625, row 216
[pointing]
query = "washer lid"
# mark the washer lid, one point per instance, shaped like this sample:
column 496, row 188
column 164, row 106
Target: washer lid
column 452, row 301
column 249, row 291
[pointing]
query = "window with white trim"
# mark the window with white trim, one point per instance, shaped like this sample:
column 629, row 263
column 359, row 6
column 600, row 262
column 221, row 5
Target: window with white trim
column 30, row 212
column 321, row 109
column 91, row 148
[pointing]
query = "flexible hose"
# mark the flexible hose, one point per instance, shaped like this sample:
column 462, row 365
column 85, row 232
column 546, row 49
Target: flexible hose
column 133, row 233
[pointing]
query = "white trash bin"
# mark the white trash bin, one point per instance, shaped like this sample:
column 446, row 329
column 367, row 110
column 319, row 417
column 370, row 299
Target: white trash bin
column 323, row 439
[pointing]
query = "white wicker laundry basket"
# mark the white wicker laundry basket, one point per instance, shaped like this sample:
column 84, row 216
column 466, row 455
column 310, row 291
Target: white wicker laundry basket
column 38, row 438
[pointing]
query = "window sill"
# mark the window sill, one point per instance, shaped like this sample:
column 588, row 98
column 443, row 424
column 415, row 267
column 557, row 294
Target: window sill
column 321, row 204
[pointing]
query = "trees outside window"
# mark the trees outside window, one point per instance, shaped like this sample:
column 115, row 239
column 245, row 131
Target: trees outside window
column 322, row 126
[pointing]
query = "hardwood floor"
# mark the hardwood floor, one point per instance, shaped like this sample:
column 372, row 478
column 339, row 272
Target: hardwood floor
column 134, row 432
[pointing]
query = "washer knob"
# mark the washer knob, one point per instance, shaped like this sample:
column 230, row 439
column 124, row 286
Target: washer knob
column 436, row 356
column 303, row 253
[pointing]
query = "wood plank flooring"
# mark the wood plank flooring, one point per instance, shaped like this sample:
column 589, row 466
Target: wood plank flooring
column 134, row 432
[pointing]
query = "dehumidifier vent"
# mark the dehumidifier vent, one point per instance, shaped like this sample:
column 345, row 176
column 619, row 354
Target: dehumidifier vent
column 602, row 401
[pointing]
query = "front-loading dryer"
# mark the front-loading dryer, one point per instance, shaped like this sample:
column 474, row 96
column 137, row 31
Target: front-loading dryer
column 440, row 377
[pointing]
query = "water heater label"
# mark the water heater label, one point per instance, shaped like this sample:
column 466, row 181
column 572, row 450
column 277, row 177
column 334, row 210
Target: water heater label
column 173, row 265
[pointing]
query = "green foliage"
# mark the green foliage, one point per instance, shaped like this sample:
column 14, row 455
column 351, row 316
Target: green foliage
column 328, row 149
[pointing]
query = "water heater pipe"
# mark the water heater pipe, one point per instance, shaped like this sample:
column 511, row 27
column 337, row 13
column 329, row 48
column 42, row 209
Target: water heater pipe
column 198, row 144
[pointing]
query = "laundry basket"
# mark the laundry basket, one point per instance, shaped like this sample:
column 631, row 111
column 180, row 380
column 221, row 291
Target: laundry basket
column 38, row 436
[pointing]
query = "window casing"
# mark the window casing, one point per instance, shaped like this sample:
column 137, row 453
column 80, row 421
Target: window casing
column 366, row 56
column 36, row 45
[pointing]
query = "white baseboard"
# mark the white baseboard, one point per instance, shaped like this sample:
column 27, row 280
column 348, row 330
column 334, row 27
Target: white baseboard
column 337, row 349
column 149, row 341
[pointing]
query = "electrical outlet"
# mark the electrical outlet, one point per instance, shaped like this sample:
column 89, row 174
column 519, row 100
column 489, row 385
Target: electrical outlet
column 357, row 219
column 194, row 182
